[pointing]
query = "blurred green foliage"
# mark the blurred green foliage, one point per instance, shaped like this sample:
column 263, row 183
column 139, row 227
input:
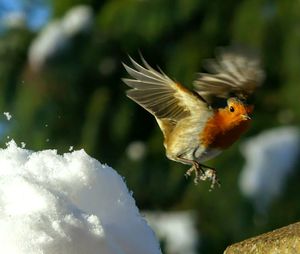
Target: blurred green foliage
column 77, row 98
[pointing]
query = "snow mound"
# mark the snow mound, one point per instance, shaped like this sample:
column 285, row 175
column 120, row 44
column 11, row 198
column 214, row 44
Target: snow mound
column 177, row 229
column 270, row 159
column 68, row 203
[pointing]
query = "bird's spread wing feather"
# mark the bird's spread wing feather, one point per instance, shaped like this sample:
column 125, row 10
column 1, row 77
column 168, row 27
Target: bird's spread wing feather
column 160, row 95
column 232, row 72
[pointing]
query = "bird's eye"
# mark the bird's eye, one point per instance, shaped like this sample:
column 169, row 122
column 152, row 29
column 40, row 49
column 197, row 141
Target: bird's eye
column 231, row 109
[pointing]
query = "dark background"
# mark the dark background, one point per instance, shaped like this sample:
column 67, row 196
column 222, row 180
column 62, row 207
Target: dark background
column 74, row 95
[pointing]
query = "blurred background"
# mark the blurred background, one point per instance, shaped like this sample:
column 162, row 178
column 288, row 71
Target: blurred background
column 60, row 80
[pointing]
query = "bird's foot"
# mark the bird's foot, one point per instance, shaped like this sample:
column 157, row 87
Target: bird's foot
column 190, row 171
column 203, row 173
column 211, row 175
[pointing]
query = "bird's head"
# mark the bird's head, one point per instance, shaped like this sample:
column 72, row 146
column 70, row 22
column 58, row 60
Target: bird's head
column 237, row 110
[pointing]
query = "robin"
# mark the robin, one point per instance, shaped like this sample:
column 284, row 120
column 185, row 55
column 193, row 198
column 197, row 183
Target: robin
column 194, row 129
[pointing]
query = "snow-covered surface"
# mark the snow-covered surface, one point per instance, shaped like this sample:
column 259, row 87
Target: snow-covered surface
column 77, row 20
column 63, row 204
column 58, row 34
column 270, row 158
column 176, row 229
column 51, row 41
column 7, row 115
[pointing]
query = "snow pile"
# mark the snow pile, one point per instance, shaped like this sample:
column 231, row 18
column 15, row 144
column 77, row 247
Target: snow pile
column 68, row 203
column 176, row 229
column 270, row 158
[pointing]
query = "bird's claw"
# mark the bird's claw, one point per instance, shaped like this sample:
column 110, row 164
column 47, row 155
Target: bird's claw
column 211, row 175
column 189, row 172
column 203, row 175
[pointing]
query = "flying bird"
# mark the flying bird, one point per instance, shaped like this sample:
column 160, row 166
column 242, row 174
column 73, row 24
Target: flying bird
column 194, row 129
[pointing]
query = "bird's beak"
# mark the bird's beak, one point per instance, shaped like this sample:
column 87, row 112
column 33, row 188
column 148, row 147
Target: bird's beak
column 246, row 117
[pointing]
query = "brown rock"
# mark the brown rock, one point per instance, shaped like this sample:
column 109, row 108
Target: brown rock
column 284, row 240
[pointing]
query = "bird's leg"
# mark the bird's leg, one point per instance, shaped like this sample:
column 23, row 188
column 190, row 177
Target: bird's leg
column 196, row 167
column 211, row 174
column 202, row 172
column 199, row 172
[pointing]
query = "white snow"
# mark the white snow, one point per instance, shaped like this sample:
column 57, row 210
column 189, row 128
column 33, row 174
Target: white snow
column 176, row 229
column 7, row 115
column 270, row 159
column 78, row 19
column 58, row 35
column 63, row 204
column 50, row 41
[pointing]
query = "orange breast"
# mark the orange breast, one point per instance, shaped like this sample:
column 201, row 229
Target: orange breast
column 221, row 134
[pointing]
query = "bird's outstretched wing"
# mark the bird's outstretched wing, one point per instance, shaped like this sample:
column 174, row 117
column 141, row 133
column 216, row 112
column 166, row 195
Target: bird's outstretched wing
column 160, row 95
column 233, row 72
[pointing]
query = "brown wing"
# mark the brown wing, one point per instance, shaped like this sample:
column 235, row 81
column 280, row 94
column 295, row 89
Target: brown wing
column 160, row 95
column 233, row 71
